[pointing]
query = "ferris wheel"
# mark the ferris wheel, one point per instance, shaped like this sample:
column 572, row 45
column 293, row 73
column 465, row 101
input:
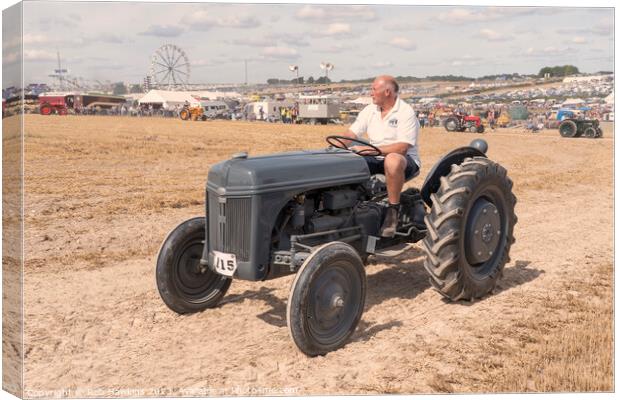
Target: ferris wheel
column 169, row 67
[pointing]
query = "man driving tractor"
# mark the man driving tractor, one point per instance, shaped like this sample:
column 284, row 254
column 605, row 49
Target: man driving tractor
column 392, row 127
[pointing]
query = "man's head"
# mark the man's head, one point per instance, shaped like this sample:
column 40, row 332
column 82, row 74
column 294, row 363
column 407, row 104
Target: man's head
column 384, row 90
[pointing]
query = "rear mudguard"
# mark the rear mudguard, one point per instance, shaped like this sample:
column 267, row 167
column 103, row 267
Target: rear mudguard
column 442, row 168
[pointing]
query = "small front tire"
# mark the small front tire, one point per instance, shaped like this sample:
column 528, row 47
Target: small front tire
column 590, row 132
column 184, row 285
column 326, row 299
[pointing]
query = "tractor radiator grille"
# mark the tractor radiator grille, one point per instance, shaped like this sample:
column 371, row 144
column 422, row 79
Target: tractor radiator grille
column 229, row 225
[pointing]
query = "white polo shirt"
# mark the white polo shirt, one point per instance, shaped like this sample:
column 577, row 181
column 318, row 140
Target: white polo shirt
column 399, row 126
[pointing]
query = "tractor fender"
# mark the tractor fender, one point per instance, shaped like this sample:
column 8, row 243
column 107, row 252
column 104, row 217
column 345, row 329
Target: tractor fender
column 443, row 166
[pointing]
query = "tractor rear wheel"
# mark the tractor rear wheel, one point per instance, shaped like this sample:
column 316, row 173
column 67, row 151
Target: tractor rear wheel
column 470, row 229
column 568, row 128
column 184, row 284
column 589, row 132
column 451, row 124
column 45, row 109
column 327, row 299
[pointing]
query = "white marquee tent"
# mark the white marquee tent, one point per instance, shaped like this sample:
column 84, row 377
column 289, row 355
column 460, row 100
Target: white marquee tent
column 573, row 102
column 361, row 100
column 168, row 99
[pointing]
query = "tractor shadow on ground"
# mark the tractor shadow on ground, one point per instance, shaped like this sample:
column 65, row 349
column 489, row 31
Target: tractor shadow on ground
column 275, row 316
column 517, row 275
column 512, row 277
column 404, row 278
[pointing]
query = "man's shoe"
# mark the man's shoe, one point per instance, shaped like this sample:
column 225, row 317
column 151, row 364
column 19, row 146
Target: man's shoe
column 391, row 222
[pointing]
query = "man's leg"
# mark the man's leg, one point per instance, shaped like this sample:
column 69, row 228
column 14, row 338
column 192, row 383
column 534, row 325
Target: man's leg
column 394, row 166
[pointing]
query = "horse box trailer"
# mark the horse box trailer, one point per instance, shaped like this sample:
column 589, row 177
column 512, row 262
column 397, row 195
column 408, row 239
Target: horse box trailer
column 318, row 109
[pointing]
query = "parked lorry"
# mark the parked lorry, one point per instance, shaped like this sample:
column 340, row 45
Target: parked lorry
column 60, row 102
column 318, row 109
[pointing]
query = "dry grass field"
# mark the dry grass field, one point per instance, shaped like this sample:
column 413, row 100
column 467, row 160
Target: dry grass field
column 102, row 192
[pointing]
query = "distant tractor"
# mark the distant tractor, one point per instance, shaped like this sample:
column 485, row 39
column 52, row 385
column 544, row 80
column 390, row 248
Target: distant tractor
column 580, row 127
column 192, row 113
column 504, row 120
column 462, row 123
column 53, row 104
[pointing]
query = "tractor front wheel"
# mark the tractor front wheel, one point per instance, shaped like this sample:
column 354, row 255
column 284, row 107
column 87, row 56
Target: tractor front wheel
column 327, row 299
column 599, row 132
column 589, row 132
column 470, row 229
column 184, row 284
column 184, row 114
column 480, row 129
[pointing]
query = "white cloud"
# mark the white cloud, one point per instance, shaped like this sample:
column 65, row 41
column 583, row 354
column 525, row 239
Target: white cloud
column 203, row 20
column 238, row 22
column 402, row 43
column 548, row 51
column 410, row 26
column 335, row 13
column 39, row 55
column 280, row 52
column 30, row 38
column 383, row 64
column 337, row 29
column 493, row 36
column 249, row 41
column 311, row 12
column 338, row 48
column 460, row 16
column 162, row 31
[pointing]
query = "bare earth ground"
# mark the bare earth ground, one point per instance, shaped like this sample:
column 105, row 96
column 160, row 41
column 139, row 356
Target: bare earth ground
column 102, row 192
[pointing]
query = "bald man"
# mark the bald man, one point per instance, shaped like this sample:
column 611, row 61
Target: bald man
column 391, row 125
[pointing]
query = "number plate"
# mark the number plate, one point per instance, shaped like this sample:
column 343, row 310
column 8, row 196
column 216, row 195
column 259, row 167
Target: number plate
column 225, row 263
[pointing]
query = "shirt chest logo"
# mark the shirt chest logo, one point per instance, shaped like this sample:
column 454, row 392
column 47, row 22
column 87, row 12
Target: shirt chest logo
column 393, row 123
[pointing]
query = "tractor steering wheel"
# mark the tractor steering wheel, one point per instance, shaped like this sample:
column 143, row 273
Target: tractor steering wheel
column 337, row 141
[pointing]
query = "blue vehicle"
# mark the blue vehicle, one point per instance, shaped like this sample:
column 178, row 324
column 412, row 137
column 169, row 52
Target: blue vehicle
column 566, row 113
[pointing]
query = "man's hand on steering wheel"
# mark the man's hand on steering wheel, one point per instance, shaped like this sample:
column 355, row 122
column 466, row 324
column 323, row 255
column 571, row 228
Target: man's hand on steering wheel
column 363, row 149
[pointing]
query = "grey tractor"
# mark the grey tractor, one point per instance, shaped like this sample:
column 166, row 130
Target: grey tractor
column 317, row 214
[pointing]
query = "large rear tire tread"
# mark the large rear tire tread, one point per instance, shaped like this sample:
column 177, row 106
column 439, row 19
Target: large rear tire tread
column 188, row 237
column 446, row 263
column 568, row 128
column 452, row 124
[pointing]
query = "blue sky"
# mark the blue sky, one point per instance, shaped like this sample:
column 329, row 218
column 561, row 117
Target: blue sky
column 114, row 41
